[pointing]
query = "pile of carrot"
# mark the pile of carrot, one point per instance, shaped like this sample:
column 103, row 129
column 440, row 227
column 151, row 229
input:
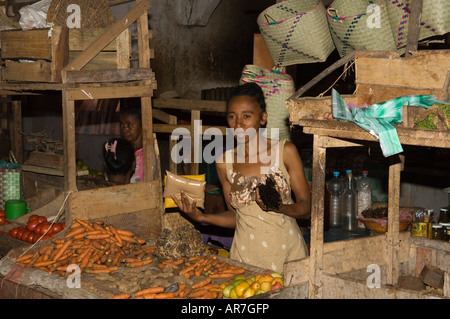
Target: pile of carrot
column 209, row 266
column 203, row 289
column 190, row 267
column 93, row 246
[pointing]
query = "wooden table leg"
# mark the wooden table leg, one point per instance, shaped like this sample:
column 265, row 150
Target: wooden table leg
column 317, row 219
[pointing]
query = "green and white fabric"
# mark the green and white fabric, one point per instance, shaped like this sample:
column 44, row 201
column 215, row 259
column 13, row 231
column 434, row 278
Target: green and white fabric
column 379, row 119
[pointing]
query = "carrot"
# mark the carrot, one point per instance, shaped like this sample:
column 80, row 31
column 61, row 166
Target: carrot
column 186, row 270
column 102, row 270
column 189, row 274
column 221, row 275
column 43, row 263
column 96, row 236
column 85, row 223
column 197, row 293
column 74, row 232
column 149, row 296
column 152, row 290
column 165, row 295
column 124, row 232
column 93, row 232
column 121, row 296
column 181, row 287
column 128, row 238
column 210, row 295
column 85, row 260
column 138, row 297
column 141, row 241
column 183, row 293
column 63, row 249
column 201, row 283
column 208, row 287
column 139, row 263
column 24, row 257
column 116, row 236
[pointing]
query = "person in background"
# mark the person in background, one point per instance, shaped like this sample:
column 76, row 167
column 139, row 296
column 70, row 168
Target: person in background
column 263, row 237
column 119, row 161
column 131, row 130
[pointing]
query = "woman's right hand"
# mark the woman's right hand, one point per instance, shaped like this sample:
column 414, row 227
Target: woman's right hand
column 188, row 207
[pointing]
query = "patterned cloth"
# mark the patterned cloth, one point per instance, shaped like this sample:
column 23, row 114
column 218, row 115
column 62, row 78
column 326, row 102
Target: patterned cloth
column 138, row 175
column 263, row 238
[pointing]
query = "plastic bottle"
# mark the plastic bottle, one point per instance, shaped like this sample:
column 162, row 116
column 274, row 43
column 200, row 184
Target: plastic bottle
column 350, row 206
column 364, row 193
column 336, row 189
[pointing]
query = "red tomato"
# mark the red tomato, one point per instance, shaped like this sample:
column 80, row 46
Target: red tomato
column 57, row 227
column 13, row 232
column 24, row 235
column 47, row 236
column 32, row 217
column 32, row 224
column 44, row 227
column 2, row 220
column 20, row 232
column 2, row 213
column 30, row 237
column 42, row 219
column 37, row 229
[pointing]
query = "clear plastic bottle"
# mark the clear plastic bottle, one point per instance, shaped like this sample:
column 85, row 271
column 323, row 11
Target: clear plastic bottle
column 350, row 206
column 336, row 189
column 364, row 193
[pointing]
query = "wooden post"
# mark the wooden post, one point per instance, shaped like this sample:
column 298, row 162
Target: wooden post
column 16, row 139
column 392, row 240
column 317, row 219
column 194, row 166
column 414, row 27
column 146, row 102
column 70, row 168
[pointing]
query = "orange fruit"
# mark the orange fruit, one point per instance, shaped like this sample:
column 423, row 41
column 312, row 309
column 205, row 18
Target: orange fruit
column 265, row 286
column 255, row 286
column 265, row 278
column 248, row 292
column 241, row 288
column 233, row 294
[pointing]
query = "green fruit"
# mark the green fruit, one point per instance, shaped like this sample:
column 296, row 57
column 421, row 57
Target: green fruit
column 226, row 290
column 259, row 292
column 237, row 282
column 84, row 167
column 276, row 274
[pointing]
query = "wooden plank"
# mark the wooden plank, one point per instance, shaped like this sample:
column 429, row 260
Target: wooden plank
column 110, row 92
column 107, row 37
column 115, row 200
column 422, row 70
column 349, row 130
column 105, row 76
column 60, row 51
column 392, row 271
column 102, row 61
column 184, row 104
column 374, row 93
column 413, row 27
column 81, row 39
column 70, row 168
column 38, row 71
column 31, row 44
column 330, row 142
column 314, row 107
column 123, row 44
column 16, row 140
column 317, row 220
column 195, row 151
column 50, row 170
column 169, row 128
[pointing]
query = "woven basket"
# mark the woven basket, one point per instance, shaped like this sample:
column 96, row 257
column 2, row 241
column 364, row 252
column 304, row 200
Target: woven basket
column 6, row 23
column 296, row 31
column 435, row 19
column 94, row 13
column 277, row 87
column 352, row 26
column 10, row 185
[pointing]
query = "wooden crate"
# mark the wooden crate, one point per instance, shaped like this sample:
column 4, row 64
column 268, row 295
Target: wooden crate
column 33, row 56
column 381, row 76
